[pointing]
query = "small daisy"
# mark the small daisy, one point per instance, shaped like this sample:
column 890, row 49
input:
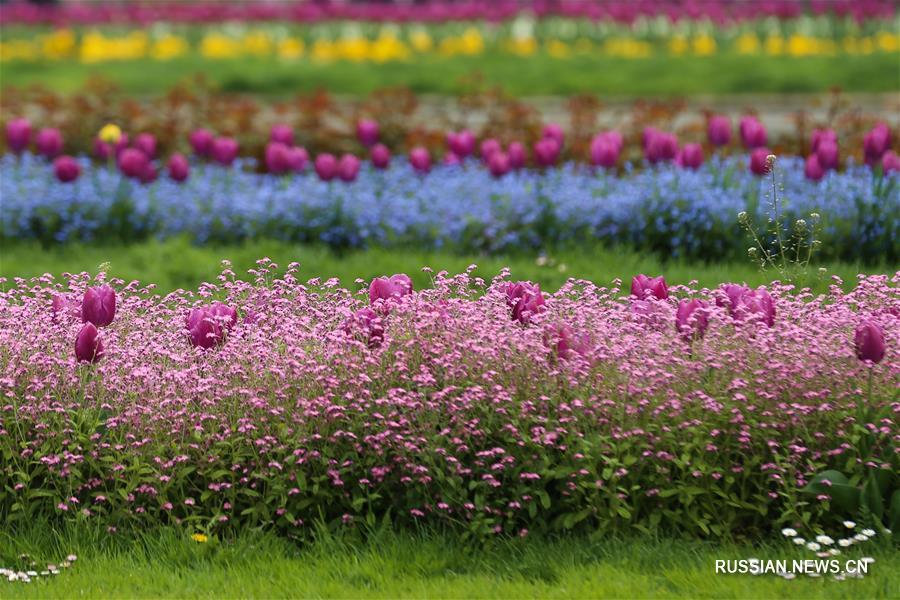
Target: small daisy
column 849, row 524
column 788, row 532
column 824, row 539
column 860, row 537
column 834, row 552
column 868, row 532
column 799, row 541
column 843, row 543
column 789, row 575
column 813, row 546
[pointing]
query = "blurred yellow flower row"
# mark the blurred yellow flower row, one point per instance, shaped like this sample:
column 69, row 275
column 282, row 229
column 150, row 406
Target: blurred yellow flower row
column 95, row 47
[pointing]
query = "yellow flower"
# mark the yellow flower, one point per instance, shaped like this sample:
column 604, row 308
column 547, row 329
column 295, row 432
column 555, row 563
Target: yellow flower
column 111, row 134
column 199, row 538
column 747, row 43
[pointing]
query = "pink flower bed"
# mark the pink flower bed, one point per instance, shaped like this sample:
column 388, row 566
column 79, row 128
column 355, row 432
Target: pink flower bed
column 481, row 405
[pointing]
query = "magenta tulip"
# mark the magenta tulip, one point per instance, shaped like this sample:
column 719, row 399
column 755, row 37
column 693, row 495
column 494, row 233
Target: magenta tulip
column 661, row 147
column 49, row 142
column 204, row 329
column 488, row 147
column 498, row 164
column 88, row 345
column 690, row 156
column 876, row 143
column 146, row 143
column 451, row 159
column 201, row 141
column 517, row 155
column 348, row 168
column 66, row 169
column 566, row 342
column 546, row 152
column 366, row 325
column 150, row 174
column 753, row 133
column 643, row 287
column 462, row 143
column 719, row 130
column 759, row 161
column 554, row 132
column 869, row 341
column 525, row 299
column 420, row 159
column 691, row 319
column 99, row 305
column 326, row 166
column 828, row 154
column 18, row 135
column 890, row 162
column 224, row 150
column 133, row 163
column 297, row 158
column 179, row 168
column 367, row 132
column 812, row 169
column 282, row 134
column 733, row 293
column 822, row 135
column 380, row 156
column 277, row 158
column 104, row 151
column 390, row 288
column 756, row 302
column 604, row 152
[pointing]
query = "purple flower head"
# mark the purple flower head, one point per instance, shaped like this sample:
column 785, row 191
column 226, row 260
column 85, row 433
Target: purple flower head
column 876, row 143
column 420, row 159
column 348, row 168
column 566, row 343
column 146, row 143
column 890, row 162
column 390, row 288
column 690, row 156
column 828, row 154
column 822, row 135
column 99, row 305
column 204, row 329
column 719, row 130
column 66, row 169
column 661, row 147
column 691, row 318
column 277, row 158
column 88, row 345
column 63, row 308
column 326, row 166
column 546, row 152
column 201, row 141
column 642, row 287
column 367, row 132
column 488, row 147
column 380, row 156
column 517, row 155
column 282, row 134
column 179, row 168
column 526, row 300
column 224, row 150
column 756, row 302
column 759, row 161
column 869, row 342
column 813, row 169
column 297, row 157
column 753, row 133
column 133, row 163
column 604, row 152
column 462, row 144
column 498, row 164
column 555, row 132
column 18, row 135
column 49, row 142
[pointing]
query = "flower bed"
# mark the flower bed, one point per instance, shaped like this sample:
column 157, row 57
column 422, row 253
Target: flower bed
column 488, row 407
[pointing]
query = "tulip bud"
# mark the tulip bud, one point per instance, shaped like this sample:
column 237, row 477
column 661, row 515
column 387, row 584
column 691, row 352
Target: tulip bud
column 277, row 158
column 690, row 156
column 224, row 150
column 49, row 142
column 876, row 143
column 366, row 325
column 822, row 135
column 380, row 156
column 179, row 168
column 691, row 320
column 88, row 346
column 812, row 169
column 390, row 288
column 223, row 314
column 201, row 141
column 604, row 152
column 18, row 135
column 297, row 157
column 661, row 147
column 326, row 166
column 755, row 302
column 546, row 152
column 566, row 342
column 204, row 329
column 554, row 132
column 66, row 169
column 282, row 134
column 643, row 287
column 488, row 147
column 146, row 143
column 348, row 168
column 526, row 300
column 828, row 154
column 99, row 305
column 461, row 144
column 719, row 130
column 759, row 161
column 753, row 133
column 367, row 132
column 420, row 159
column 498, row 164
column 133, row 163
column 516, row 153
column 869, row 341
column 890, row 162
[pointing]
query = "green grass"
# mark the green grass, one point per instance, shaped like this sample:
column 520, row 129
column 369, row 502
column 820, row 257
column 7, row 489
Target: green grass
column 534, row 76
column 179, row 264
column 167, row 563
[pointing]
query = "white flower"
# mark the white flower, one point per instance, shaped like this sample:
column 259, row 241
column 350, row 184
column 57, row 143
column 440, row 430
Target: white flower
column 834, row 552
column 824, row 539
column 849, row 524
column 813, row 546
column 788, row 575
column 839, row 577
column 867, row 559
column 31, row 573
column 799, row 541
column 868, row 532
column 843, row 543
column 860, row 537
column 813, row 574
column 71, row 558
column 788, row 532
column 887, row 531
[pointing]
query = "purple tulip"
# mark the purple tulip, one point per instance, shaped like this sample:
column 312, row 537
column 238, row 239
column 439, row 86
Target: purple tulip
column 179, row 168
column 661, row 147
column 420, row 159
column 150, row 174
column 201, row 141
column 525, row 299
column 566, row 342
column 869, row 341
column 451, row 159
column 297, row 157
column 462, row 144
column 367, row 325
column 133, row 163
column 719, row 130
column 642, row 287
column 380, row 156
column 348, row 168
column 604, row 152
column 890, row 162
column 104, row 151
column 277, row 158
column 554, row 132
column 647, row 136
column 733, row 293
column 367, row 132
column 691, row 319
column 755, row 302
column 66, row 169
column 62, row 308
column 753, row 133
column 759, row 161
column 99, row 305
column 18, row 135
column 828, row 154
column 517, row 156
column 88, row 346
column 488, row 147
column 615, row 138
column 690, row 156
column 223, row 314
column 546, row 152
column 390, row 288
column 822, row 135
column 204, row 329
column 282, row 134
column 146, row 143
column 224, row 150
column 498, row 164
column 49, row 142
column 812, row 169
column 326, row 166
column 876, row 143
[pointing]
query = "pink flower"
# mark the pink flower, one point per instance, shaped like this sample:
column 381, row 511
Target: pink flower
column 812, row 169
column 420, row 159
column 756, row 302
column 498, row 164
column 348, row 168
column 297, row 157
column 367, row 325
column 890, row 162
column 18, row 135
column 604, row 152
column 179, row 168
column 690, row 156
column 525, row 299
column 99, row 306
column 691, row 319
column 516, row 153
column 876, row 143
column 224, row 150
column 546, row 152
column 822, row 135
column 759, row 161
column 66, row 169
column 566, row 342
column 462, row 144
column 204, row 329
column 49, row 142
column 326, row 166
column 390, row 288
column 488, row 147
column 282, row 134
column 88, row 346
column 277, row 158
column 62, row 307
column 367, row 132
column 869, row 341
column 828, row 154
column 555, row 132
column 201, row 141
column 133, row 163
column 753, row 133
column 643, row 286
column 719, row 130
column 661, row 147
column 380, row 156
column 146, row 143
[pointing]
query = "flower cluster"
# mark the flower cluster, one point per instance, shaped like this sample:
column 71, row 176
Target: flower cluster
column 452, row 404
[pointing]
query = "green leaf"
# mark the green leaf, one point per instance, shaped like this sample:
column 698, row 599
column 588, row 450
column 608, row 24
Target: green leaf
column 871, row 496
column 894, row 513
